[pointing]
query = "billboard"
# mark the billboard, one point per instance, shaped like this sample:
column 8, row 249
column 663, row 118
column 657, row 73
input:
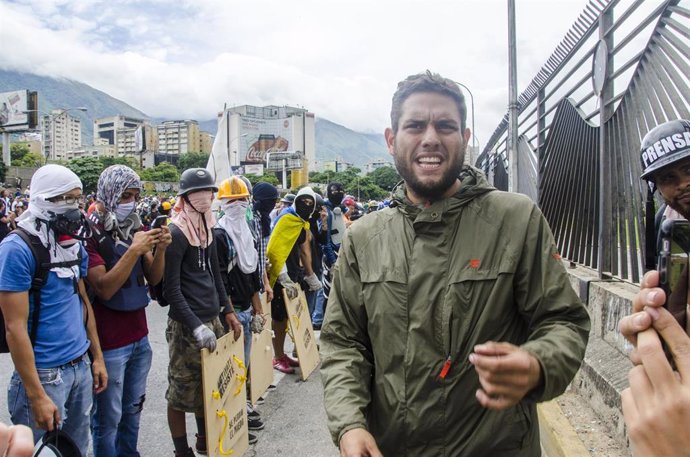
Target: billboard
column 13, row 107
column 257, row 137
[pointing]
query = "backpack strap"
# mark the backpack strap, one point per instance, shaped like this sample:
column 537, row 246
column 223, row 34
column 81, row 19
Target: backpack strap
column 105, row 244
column 42, row 259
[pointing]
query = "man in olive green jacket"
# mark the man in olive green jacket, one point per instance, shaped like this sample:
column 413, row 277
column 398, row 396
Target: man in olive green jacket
column 451, row 313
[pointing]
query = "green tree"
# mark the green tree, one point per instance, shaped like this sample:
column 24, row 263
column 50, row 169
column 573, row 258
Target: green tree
column 192, row 160
column 29, row 160
column 269, row 178
column 17, row 152
column 363, row 188
column 3, row 171
column 131, row 162
column 164, row 172
column 88, row 169
column 385, row 177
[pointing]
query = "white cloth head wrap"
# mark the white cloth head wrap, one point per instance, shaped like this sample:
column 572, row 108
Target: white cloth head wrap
column 51, row 181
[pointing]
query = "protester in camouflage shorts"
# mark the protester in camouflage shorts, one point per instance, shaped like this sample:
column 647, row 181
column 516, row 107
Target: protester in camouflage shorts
column 185, row 391
column 195, row 293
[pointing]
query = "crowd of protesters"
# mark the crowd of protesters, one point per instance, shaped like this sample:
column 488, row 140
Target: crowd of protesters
column 110, row 253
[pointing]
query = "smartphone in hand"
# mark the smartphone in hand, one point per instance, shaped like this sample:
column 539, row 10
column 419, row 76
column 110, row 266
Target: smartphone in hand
column 673, row 266
column 159, row 222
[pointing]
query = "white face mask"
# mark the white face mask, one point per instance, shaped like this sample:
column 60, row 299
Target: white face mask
column 123, row 210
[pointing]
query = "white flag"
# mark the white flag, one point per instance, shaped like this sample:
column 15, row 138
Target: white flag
column 219, row 161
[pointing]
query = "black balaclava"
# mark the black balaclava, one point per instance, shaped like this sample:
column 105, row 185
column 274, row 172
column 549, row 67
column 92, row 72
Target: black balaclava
column 302, row 209
column 265, row 196
column 335, row 193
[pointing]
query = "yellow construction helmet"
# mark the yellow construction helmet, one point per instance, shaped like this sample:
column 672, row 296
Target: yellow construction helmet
column 232, row 188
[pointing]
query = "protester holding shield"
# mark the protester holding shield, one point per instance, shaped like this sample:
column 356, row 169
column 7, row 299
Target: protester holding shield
column 196, row 295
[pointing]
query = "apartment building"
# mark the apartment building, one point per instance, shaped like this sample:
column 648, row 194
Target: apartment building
column 61, row 133
column 130, row 142
column 179, row 137
column 206, row 142
column 375, row 165
column 110, row 127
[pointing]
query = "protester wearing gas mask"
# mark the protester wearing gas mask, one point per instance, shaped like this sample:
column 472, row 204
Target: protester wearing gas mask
column 54, row 378
column 120, row 264
column 195, row 292
column 289, row 256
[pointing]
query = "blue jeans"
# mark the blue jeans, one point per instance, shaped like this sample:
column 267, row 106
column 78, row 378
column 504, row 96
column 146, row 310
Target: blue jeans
column 316, row 309
column 70, row 387
column 117, row 410
column 245, row 318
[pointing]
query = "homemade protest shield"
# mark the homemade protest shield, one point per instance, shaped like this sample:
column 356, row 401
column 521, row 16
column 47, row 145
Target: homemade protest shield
column 302, row 333
column 261, row 357
column 224, row 376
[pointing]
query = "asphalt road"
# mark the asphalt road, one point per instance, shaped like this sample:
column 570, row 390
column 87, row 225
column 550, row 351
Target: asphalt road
column 293, row 413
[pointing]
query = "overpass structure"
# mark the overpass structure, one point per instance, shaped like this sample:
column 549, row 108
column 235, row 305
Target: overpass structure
column 621, row 69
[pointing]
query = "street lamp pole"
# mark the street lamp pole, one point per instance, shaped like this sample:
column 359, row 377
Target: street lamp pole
column 474, row 138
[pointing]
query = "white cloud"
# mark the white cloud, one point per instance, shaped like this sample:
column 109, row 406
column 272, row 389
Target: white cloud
column 340, row 59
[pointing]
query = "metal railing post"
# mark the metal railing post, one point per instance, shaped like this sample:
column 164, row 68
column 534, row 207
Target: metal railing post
column 605, row 112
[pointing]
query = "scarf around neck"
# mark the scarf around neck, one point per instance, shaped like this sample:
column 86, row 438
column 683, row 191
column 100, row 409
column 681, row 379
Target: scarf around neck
column 191, row 224
column 235, row 225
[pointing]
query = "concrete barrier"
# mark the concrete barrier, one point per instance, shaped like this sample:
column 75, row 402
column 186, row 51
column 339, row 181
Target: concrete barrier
column 604, row 372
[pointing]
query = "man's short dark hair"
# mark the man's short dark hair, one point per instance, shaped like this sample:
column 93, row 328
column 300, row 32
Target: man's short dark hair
column 427, row 82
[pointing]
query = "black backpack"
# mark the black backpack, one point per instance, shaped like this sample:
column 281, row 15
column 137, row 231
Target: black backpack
column 43, row 267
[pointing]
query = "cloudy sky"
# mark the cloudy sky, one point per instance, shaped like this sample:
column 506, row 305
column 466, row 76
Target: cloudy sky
column 339, row 59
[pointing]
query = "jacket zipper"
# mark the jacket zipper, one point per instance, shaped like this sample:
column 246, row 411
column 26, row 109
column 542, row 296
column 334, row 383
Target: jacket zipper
column 449, row 360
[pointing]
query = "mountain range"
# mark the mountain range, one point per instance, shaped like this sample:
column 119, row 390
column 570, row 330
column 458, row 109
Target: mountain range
column 333, row 141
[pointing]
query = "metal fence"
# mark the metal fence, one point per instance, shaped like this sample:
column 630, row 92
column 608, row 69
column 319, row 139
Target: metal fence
column 584, row 172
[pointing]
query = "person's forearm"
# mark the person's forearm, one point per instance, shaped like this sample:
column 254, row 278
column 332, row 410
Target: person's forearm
column 256, row 304
column 265, row 279
column 156, row 268
column 109, row 283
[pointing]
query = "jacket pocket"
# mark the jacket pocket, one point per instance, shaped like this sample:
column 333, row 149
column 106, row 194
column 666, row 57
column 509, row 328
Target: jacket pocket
column 514, row 431
column 482, row 307
column 384, row 294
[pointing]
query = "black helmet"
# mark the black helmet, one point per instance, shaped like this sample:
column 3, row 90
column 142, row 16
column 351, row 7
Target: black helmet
column 289, row 198
column 664, row 145
column 56, row 444
column 196, row 179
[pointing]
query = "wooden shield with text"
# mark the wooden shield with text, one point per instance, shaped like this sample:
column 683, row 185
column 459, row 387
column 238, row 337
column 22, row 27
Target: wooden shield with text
column 302, row 333
column 224, row 377
column 261, row 357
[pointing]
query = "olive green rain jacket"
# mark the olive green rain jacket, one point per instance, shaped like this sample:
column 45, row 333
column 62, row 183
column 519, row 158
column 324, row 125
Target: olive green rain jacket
column 414, row 285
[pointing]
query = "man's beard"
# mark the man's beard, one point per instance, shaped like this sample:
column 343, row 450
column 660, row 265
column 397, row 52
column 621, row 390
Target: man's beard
column 429, row 190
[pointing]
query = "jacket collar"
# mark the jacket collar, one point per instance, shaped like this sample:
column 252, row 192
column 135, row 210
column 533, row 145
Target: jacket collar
column 473, row 184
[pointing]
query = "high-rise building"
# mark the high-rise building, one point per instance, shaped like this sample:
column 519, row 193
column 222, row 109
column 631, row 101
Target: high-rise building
column 271, row 138
column 179, row 137
column 206, row 142
column 61, row 133
column 128, row 143
column 108, row 127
